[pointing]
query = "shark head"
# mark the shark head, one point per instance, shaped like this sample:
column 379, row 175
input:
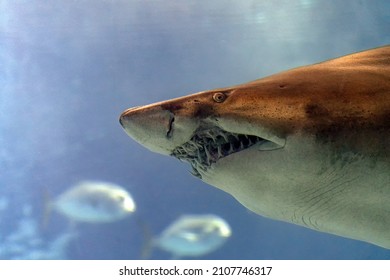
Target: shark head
column 204, row 128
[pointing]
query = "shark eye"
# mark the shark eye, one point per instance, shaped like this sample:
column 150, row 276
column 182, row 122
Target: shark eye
column 219, row 97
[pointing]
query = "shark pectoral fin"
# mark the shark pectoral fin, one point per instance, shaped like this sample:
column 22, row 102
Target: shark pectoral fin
column 270, row 146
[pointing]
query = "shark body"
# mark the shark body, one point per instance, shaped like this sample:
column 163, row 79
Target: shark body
column 308, row 146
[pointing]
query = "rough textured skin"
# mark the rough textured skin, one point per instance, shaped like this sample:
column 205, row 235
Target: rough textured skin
column 332, row 123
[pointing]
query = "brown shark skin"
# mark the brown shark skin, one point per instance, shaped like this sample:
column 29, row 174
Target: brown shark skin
column 339, row 109
column 282, row 106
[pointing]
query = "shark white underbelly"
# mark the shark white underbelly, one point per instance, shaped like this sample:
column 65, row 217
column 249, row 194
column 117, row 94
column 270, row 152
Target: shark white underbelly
column 305, row 185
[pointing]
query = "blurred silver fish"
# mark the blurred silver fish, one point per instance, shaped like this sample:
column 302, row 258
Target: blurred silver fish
column 95, row 202
column 194, row 235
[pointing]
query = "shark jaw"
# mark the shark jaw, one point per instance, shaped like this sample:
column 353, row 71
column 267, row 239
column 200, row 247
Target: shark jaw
column 208, row 146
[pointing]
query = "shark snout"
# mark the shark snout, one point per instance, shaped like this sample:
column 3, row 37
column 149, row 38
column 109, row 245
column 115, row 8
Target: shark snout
column 156, row 128
column 126, row 115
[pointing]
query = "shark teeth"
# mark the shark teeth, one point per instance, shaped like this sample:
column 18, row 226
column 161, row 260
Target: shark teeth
column 208, row 146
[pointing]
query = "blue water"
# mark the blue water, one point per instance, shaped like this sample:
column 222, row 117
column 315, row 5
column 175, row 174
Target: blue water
column 69, row 68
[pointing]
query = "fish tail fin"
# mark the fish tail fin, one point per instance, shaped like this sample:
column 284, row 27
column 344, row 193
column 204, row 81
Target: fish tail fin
column 147, row 244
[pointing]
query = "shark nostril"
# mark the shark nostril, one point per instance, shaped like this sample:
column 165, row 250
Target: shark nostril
column 170, row 126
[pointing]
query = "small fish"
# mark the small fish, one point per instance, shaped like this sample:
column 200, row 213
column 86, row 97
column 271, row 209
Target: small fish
column 194, row 235
column 95, row 202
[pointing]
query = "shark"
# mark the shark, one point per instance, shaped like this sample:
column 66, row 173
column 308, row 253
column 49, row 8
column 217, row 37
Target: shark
column 308, row 146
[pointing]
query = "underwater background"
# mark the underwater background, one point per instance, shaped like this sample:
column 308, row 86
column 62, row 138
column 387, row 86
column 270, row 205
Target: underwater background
column 69, row 68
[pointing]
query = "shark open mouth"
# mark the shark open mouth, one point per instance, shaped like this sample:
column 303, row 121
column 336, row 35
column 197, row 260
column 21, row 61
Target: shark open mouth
column 208, row 146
